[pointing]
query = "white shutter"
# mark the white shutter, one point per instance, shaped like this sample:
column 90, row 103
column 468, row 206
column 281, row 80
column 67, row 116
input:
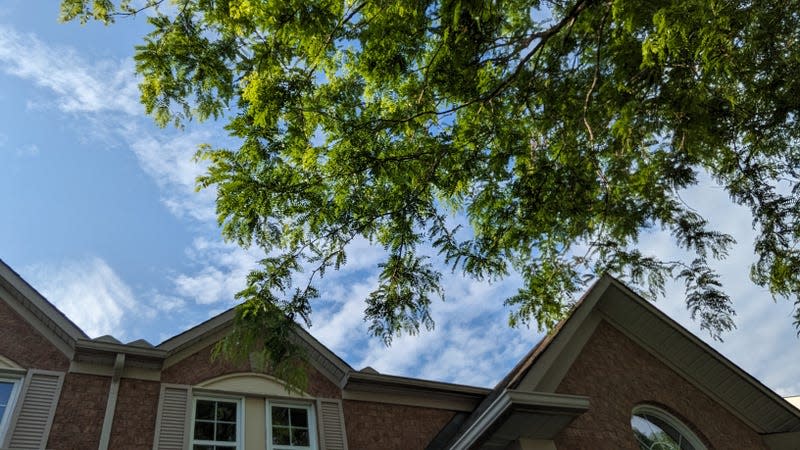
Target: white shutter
column 37, row 405
column 172, row 420
column 331, row 424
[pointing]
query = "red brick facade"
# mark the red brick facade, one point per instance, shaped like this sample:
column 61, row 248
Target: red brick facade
column 617, row 374
column 79, row 415
column 373, row 426
column 135, row 416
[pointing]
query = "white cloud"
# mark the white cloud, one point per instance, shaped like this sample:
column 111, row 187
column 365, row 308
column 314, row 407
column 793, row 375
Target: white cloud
column 90, row 293
column 78, row 86
column 168, row 303
column 169, row 162
column 223, row 273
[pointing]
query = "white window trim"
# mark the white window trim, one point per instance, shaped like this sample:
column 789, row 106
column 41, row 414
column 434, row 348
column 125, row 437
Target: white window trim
column 673, row 421
column 239, row 420
column 5, row 420
column 312, row 423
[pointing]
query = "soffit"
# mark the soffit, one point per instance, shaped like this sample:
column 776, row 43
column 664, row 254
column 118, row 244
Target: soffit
column 518, row 415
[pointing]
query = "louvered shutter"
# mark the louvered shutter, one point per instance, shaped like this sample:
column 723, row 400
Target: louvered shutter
column 331, row 425
column 172, row 420
column 37, row 405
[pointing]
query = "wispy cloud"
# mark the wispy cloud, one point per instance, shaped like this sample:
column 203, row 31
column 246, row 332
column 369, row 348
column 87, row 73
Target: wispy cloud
column 77, row 85
column 29, row 150
column 110, row 87
column 168, row 159
column 224, row 269
column 90, row 293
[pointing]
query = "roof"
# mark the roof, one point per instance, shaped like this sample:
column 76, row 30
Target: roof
column 76, row 345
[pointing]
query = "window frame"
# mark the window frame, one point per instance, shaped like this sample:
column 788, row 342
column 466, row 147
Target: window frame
column 240, row 422
column 672, row 421
column 16, row 389
column 313, row 436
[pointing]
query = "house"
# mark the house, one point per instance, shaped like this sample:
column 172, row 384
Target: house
column 617, row 370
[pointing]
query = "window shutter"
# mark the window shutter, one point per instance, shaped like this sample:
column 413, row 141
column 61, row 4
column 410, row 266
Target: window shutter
column 331, row 425
column 35, row 410
column 172, row 420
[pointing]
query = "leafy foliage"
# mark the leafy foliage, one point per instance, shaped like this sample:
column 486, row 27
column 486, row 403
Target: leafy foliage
column 559, row 130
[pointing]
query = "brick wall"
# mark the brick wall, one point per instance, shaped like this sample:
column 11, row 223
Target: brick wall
column 135, row 416
column 382, row 426
column 79, row 415
column 617, row 374
column 20, row 342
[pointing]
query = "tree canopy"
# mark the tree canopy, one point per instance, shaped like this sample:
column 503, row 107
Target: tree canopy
column 556, row 132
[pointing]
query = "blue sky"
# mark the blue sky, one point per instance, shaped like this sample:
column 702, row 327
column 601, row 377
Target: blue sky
column 100, row 214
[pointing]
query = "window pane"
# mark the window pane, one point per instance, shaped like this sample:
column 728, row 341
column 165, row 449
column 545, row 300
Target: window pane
column 299, row 436
column 226, row 432
column 203, row 447
column 299, row 417
column 280, row 415
column 280, row 436
column 205, row 410
column 204, row 431
column 653, row 433
column 226, row 411
column 5, row 392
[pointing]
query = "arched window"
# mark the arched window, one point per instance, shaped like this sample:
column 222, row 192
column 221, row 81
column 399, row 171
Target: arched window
column 656, row 429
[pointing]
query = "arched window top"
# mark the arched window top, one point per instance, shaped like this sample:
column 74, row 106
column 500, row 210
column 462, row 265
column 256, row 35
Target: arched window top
column 656, row 429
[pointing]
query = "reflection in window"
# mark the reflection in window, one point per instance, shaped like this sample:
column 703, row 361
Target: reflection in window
column 291, row 427
column 656, row 430
column 215, row 424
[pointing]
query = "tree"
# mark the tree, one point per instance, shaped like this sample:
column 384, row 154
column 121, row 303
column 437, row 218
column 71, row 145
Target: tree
column 559, row 131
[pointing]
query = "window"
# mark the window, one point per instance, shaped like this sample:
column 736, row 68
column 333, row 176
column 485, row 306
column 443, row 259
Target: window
column 655, row 429
column 217, row 424
column 9, row 390
column 291, row 427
